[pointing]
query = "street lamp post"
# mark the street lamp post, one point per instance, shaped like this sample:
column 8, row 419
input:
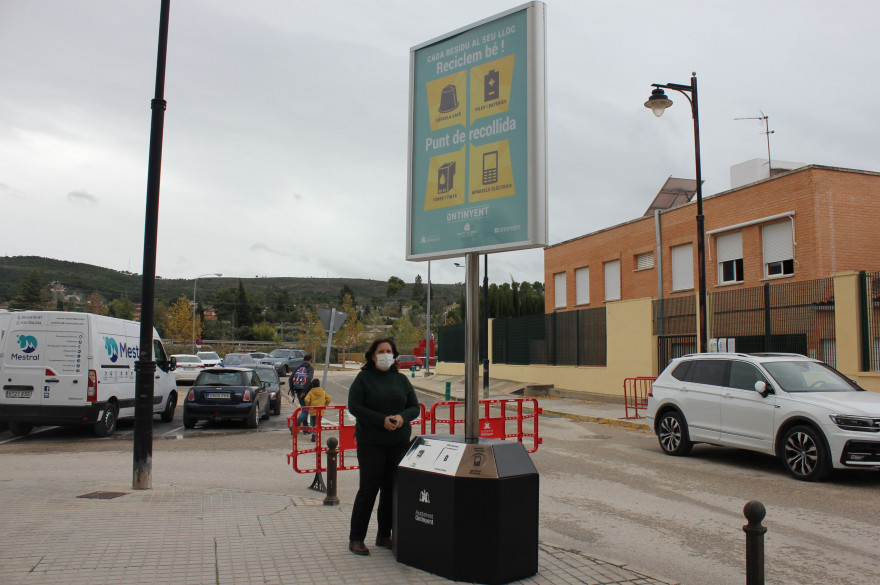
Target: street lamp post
column 658, row 102
column 195, row 282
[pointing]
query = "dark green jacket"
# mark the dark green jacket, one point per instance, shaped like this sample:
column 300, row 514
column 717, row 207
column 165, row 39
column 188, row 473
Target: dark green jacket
column 374, row 395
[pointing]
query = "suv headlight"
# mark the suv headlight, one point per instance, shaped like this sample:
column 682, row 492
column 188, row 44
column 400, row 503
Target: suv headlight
column 856, row 423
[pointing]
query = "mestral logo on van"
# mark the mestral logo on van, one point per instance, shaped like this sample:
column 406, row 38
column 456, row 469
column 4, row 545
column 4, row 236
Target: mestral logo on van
column 28, row 344
column 114, row 350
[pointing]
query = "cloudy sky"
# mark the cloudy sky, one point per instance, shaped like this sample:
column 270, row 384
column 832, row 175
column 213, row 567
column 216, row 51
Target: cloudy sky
column 285, row 148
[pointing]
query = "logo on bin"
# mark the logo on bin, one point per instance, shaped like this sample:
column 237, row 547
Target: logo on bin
column 424, row 497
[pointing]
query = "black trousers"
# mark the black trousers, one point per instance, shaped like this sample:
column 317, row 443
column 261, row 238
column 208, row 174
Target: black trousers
column 378, row 468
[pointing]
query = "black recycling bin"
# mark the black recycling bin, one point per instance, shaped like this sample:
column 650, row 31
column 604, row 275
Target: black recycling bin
column 467, row 511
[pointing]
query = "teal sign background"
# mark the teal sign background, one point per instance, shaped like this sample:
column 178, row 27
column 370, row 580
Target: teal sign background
column 470, row 140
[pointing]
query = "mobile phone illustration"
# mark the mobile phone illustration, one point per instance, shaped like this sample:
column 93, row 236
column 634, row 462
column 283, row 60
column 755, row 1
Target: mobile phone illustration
column 490, row 167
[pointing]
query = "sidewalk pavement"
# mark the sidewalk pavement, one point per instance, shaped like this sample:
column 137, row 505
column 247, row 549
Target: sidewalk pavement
column 66, row 520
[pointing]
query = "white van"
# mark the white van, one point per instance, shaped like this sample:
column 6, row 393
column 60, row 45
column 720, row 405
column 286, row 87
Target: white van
column 59, row 368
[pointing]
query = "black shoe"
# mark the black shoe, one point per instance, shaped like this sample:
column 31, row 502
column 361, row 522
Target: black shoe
column 313, row 437
column 358, row 548
column 383, row 541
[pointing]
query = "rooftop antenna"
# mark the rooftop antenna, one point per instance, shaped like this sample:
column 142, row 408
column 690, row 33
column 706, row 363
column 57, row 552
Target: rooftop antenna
column 766, row 131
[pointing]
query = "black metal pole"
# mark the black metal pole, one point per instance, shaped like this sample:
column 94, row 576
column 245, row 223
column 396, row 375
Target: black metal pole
column 754, row 512
column 701, row 228
column 145, row 367
column 484, row 339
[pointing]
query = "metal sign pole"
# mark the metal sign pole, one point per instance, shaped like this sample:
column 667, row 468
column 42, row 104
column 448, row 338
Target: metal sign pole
column 329, row 344
column 472, row 348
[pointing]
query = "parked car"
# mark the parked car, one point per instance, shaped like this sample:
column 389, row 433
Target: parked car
column 285, row 360
column 238, row 359
column 209, row 358
column 405, row 362
column 188, row 367
column 801, row 410
column 224, row 393
column 268, row 374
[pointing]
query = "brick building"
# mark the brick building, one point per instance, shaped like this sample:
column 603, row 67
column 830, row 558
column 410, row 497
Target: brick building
column 800, row 225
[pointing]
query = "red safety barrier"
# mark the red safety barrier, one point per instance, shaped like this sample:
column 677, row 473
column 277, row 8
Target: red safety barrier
column 635, row 394
column 307, row 456
column 494, row 427
column 313, row 451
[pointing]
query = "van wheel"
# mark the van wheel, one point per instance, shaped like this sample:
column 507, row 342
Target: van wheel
column 107, row 425
column 168, row 413
column 20, row 429
column 253, row 420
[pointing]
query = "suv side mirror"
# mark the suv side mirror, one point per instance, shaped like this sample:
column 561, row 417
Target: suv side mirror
column 763, row 389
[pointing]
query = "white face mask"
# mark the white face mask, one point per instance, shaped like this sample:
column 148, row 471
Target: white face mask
column 384, row 361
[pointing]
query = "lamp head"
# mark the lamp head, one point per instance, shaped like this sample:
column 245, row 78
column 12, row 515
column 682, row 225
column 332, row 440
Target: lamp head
column 658, row 102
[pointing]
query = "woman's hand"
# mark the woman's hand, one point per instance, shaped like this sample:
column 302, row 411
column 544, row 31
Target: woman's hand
column 393, row 422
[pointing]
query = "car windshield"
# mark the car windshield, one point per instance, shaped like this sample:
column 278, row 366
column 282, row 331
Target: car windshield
column 209, row 355
column 268, row 374
column 236, row 359
column 279, row 353
column 804, row 376
column 188, row 359
column 221, row 378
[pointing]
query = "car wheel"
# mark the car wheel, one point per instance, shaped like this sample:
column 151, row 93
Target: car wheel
column 170, row 405
column 253, row 420
column 107, row 425
column 285, row 371
column 20, row 429
column 673, row 434
column 268, row 411
column 418, row 368
column 805, row 455
column 276, row 409
column 189, row 422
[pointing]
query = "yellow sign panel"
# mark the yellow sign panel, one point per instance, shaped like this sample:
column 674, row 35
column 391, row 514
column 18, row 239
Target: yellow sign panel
column 491, row 174
column 446, row 180
column 490, row 88
column 447, row 101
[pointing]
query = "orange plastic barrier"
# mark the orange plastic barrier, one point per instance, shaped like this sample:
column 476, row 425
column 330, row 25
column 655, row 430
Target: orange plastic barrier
column 635, row 395
column 307, row 456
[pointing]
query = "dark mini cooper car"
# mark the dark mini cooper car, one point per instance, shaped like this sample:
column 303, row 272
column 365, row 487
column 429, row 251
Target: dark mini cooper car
column 267, row 373
column 227, row 394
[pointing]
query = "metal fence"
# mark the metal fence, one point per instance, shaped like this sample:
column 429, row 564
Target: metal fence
column 570, row 338
column 869, row 293
column 796, row 317
column 675, row 316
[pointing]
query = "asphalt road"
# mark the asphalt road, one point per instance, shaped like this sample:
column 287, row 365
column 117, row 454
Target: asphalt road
column 606, row 491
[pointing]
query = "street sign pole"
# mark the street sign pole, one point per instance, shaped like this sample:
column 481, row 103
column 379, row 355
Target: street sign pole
column 472, row 348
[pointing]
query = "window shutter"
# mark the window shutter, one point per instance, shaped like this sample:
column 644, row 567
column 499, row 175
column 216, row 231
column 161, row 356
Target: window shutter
column 644, row 261
column 683, row 267
column 582, row 285
column 612, row 280
column 729, row 247
column 559, row 286
column 776, row 241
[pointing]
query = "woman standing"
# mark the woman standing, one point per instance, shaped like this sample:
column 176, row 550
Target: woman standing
column 383, row 402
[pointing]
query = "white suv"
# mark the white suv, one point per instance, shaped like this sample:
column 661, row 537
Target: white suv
column 799, row 409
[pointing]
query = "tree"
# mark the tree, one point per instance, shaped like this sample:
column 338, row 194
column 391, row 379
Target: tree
column 419, row 292
column 347, row 290
column 180, row 321
column 352, row 332
column 405, row 334
column 95, row 304
column 395, row 285
column 243, row 308
column 121, row 308
column 33, row 294
column 314, row 337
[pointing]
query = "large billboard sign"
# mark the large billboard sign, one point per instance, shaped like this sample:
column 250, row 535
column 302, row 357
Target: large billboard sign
column 477, row 144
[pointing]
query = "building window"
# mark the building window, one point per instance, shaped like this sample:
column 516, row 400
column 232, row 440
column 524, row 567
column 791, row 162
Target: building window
column 559, row 292
column 730, row 258
column 776, row 241
column 645, row 261
column 582, row 285
column 612, row 280
column 683, row 267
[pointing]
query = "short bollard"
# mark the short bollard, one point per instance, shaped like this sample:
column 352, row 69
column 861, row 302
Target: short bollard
column 448, row 389
column 412, row 372
column 331, row 499
column 754, row 512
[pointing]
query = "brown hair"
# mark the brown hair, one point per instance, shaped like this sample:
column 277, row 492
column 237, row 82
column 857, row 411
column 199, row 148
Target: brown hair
column 371, row 351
